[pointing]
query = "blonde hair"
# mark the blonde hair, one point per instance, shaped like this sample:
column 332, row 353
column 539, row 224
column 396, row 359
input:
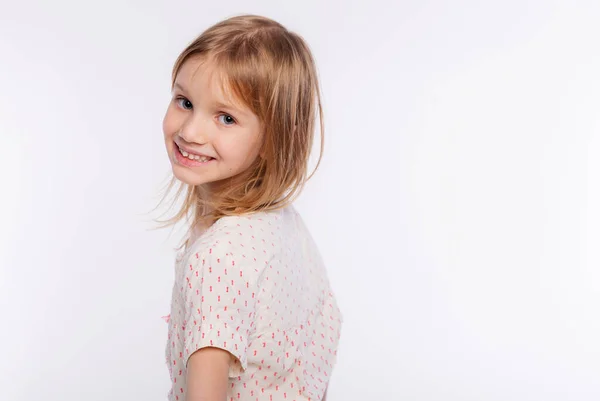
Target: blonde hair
column 271, row 71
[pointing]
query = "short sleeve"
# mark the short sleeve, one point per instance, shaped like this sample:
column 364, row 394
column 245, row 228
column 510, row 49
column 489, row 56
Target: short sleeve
column 220, row 292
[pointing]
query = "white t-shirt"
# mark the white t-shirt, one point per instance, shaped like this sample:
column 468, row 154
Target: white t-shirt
column 256, row 286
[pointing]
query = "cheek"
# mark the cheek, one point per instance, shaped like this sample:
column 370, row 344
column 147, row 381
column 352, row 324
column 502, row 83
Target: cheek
column 231, row 152
column 170, row 123
column 253, row 151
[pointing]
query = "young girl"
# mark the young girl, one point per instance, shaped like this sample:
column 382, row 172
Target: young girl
column 253, row 316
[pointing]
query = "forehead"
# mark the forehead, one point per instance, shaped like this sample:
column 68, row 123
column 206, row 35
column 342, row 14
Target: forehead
column 202, row 76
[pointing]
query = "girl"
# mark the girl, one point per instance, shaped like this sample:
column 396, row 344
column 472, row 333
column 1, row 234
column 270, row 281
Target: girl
column 252, row 316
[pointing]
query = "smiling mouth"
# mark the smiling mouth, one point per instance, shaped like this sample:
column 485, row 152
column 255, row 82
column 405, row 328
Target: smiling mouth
column 190, row 156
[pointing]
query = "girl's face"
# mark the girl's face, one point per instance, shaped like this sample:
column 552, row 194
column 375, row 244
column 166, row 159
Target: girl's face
column 209, row 137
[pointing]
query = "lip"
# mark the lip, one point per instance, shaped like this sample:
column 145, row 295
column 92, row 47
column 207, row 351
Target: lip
column 184, row 161
column 190, row 151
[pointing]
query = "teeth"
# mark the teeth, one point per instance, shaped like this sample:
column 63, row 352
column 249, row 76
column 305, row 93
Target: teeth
column 194, row 157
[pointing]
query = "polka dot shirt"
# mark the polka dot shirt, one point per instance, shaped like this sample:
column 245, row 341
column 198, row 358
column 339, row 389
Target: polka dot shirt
column 256, row 286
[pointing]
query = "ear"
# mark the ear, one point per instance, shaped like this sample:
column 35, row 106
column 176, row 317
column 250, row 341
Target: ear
column 262, row 152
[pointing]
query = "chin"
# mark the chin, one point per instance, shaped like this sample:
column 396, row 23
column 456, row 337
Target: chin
column 187, row 177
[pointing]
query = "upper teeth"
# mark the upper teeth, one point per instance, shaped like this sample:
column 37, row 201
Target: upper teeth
column 194, row 157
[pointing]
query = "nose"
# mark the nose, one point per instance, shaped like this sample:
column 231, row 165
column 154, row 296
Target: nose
column 195, row 130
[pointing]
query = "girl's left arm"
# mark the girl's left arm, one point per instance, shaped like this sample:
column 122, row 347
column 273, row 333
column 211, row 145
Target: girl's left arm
column 219, row 306
column 207, row 375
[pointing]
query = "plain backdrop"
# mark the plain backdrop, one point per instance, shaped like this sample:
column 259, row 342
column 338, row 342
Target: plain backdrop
column 457, row 207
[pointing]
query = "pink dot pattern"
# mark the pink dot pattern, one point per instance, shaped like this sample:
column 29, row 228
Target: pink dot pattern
column 256, row 286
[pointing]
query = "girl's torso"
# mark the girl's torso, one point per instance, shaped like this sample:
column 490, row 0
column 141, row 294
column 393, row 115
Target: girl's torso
column 257, row 287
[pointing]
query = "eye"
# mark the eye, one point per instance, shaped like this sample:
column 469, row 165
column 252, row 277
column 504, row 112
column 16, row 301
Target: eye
column 184, row 103
column 226, row 119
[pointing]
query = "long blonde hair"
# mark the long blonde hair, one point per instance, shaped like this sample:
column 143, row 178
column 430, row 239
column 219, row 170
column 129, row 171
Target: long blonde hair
column 272, row 71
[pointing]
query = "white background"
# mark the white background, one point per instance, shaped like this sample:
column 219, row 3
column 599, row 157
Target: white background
column 458, row 205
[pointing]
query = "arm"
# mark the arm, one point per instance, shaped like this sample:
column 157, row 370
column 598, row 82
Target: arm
column 219, row 315
column 207, row 375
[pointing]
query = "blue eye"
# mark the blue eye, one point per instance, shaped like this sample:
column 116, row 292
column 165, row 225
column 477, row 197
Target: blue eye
column 184, row 103
column 226, row 119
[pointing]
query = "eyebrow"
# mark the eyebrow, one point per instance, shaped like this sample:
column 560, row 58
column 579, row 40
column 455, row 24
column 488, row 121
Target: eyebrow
column 178, row 85
column 221, row 105
column 217, row 104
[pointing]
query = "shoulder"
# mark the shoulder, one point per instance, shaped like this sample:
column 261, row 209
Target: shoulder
column 246, row 239
column 246, row 229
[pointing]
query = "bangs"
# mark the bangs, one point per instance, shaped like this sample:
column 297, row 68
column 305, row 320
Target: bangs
column 233, row 80
column 239, row 79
